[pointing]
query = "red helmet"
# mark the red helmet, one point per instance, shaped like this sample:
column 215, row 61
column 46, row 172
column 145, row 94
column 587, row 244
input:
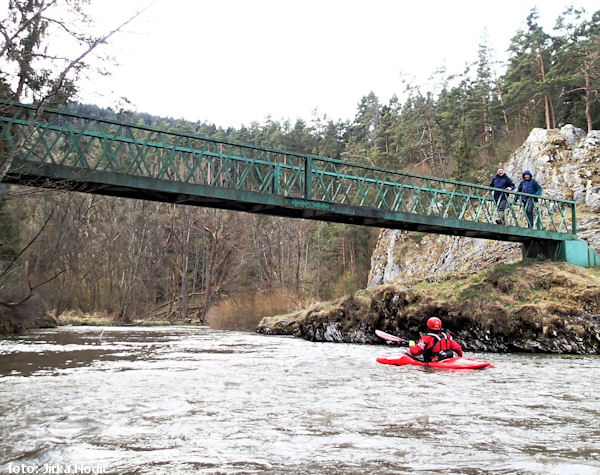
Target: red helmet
column 434, row 323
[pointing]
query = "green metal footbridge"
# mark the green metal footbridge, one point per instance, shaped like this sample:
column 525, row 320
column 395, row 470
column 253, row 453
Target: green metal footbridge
column 52, row 148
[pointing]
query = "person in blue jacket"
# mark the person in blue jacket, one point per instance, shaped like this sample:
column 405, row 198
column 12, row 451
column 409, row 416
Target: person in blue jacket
column 529, row 185
column 503, row 182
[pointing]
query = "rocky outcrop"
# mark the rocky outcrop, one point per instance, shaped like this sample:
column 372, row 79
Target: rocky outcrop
column 486, row 295
column 539, row 308
column 401, row 255
column 29, row 314
column 566, row 162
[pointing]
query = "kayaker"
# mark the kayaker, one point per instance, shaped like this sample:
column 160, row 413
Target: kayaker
column 436, row 345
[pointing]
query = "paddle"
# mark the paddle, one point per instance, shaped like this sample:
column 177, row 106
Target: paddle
column 388, row 337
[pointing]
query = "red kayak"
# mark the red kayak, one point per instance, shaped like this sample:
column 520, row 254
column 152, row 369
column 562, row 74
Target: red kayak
column 451, row 363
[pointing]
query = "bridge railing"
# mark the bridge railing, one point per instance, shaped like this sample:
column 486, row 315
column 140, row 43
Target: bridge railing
column 359, row 185
column 84, row 143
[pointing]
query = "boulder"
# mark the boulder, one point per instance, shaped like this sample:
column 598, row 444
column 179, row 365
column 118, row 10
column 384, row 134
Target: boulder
column 30, row 314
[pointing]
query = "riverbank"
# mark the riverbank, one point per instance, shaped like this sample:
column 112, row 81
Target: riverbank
column 530, row 306
column 18, row 319
column 238, row 312
column 78, row 318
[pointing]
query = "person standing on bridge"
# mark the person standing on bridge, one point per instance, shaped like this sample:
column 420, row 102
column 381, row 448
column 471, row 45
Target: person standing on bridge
column 436, row 345
column 532, row 187
column 503, row 182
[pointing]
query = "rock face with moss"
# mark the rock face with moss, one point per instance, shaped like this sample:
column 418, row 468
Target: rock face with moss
column 566, row 163
column 524, row 307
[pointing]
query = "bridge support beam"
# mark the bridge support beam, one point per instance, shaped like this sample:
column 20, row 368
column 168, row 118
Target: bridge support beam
column 575, row 252
column 541, row 250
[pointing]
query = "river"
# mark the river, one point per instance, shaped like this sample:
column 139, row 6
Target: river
column 193, row 400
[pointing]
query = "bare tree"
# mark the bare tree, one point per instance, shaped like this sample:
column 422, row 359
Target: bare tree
column 32, row 72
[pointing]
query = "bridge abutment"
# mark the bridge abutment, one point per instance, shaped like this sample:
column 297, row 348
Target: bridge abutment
column 575, row 252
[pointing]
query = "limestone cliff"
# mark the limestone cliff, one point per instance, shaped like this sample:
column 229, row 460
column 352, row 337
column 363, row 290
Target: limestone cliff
column 565, row 162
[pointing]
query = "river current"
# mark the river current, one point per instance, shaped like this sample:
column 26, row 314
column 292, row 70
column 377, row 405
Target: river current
column 193, row 400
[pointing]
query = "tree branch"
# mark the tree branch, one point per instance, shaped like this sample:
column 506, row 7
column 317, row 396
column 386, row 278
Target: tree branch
column 12, row 263
column 61, row 79
column 20, row 30
column 572, row 90
column 47, row 280
column 58, row 85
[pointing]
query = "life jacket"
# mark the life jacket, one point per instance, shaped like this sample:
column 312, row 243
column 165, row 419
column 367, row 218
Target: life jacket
column 440, row 350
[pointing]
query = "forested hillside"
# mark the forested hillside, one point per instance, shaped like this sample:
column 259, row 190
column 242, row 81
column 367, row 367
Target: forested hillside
column 133, row 259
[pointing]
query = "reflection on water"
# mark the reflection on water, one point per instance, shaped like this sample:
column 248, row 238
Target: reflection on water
column 193, row 400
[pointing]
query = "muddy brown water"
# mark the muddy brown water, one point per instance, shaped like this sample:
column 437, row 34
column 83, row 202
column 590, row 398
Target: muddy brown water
column 193, row 400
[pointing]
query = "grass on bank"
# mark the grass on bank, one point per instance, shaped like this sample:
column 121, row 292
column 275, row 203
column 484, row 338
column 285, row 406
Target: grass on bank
column 531, row 292
column 78, row 318
column 238, row 312
column 527, row 281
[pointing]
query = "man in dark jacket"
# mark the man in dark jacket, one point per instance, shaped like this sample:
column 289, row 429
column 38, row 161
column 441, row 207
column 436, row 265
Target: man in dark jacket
column 529, row 185
column 502, row 181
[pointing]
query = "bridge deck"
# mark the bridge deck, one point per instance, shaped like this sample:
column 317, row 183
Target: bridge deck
column 102, row 156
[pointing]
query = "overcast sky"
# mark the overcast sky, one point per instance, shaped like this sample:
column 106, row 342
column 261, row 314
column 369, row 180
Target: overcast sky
column 236, row 61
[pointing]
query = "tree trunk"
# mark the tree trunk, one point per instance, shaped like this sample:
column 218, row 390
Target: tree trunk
column 552, row 112
column 588, row 93
column 547, row 111
column 430, row 137
column 184, row 267
column 318, row 262
column 501, row 96
column 298, row 260
column 547, row 99
column 344, row 253
column 209, row 276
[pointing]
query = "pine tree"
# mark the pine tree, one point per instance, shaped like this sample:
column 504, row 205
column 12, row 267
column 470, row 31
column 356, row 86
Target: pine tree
column 463, row 157
column 363, row 131
column 578, row 67
column 532, row 52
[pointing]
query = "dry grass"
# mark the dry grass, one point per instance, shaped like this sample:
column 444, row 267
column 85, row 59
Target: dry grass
column 77, row 317
column 558, row 288
column 526, row 295
column 522, row 301
column 515, row 284
column 245, row 311
column 531, row 282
